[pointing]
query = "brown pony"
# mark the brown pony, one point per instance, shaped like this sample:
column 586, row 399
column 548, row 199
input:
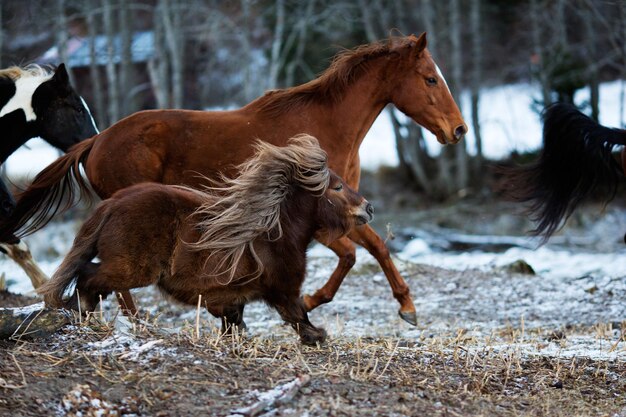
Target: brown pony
column 243, row 241
column 339, row 107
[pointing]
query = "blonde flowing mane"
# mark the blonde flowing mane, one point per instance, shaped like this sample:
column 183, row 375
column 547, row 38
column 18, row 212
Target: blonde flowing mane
column 239, row 210
column 346, row 67
column 31, row 70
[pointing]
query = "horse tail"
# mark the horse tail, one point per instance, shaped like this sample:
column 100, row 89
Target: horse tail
column 576, row 158
column 83, row 250
column 51, row 192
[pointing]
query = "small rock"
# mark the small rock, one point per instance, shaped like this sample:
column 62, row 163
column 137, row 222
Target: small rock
column 519, row 267
column 557, row 384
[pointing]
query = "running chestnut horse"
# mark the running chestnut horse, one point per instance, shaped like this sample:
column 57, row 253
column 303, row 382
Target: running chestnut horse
column 230, row 244
column 181, row 146
column 36, row 102
column 576, row 158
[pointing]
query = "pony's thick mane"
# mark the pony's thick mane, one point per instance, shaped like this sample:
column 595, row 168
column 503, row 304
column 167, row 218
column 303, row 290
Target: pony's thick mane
column 346, row 67
column 239, row 210
column 31, row 70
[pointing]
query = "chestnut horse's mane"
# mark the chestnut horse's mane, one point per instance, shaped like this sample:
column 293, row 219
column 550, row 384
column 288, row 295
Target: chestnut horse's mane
column 346, row 67
column 31, row 70
column 238, row 210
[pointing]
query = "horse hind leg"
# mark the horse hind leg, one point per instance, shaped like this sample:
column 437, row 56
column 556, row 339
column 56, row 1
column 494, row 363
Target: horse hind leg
column 85, row 298
column 96, row 282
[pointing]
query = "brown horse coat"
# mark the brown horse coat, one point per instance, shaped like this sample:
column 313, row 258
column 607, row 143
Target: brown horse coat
column 240, row 242
column 339, row 107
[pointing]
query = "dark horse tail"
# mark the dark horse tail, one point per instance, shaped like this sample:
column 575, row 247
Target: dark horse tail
column 576, row 158
column 53, row 190
column 83, row 251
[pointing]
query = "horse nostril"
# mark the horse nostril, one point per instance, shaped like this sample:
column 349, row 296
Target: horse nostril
column 460, row 131
column 369, row 209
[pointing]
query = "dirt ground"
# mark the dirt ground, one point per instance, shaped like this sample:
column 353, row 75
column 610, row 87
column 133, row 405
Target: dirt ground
column 489, row 342
column 470, row 355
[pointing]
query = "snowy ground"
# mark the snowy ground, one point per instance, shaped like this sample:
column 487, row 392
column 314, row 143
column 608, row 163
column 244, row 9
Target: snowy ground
column 577, row 291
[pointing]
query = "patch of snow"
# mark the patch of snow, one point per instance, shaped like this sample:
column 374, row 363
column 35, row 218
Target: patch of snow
column 22, row 311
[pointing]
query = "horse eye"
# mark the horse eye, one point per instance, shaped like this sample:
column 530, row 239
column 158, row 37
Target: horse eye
column 431, row 81
column 338, row 187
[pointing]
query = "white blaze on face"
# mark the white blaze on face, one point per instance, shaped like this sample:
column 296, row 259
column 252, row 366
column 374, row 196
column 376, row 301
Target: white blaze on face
column 441, row 76
column 23, row 99
column 93, row 122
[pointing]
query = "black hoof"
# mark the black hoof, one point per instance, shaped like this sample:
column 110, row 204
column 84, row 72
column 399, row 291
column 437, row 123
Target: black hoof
column 313, row 337
column 410, row 317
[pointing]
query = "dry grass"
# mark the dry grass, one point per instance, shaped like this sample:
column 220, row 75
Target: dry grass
column 92, row 367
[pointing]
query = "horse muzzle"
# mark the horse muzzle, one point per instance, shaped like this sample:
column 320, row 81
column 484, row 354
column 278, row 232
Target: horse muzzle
column 364, row 214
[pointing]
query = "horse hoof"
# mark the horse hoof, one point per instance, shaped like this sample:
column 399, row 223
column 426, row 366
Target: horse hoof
column 410, row 317
column 313, row 337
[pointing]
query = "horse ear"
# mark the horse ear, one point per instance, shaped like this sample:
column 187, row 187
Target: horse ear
column 420, row 43
column 61, row 76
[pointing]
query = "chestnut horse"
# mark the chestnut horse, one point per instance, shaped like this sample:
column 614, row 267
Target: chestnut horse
column 241, row 241
column 339, row 107
column 576, row 158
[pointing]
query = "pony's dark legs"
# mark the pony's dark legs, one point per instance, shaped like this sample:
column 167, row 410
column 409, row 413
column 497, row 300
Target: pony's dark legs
column 232, row 318
column 369, row 239
column 97, row 280
column 292, row 309
column 86, row 292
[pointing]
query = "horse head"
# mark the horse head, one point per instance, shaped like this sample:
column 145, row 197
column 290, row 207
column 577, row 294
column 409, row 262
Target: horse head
column 422, row 93
column 63, row 117
column 340, row 210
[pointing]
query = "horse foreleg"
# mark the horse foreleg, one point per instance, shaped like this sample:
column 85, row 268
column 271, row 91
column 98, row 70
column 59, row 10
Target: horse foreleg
column 20, row 253
column 369, row 239
column 294, row 312
column 346, row 252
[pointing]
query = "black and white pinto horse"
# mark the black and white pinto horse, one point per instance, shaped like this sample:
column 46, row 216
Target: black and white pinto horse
column 576, row 161
column 35, row 102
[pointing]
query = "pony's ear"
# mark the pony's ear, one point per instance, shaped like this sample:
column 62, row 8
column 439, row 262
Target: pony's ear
column 61, row 76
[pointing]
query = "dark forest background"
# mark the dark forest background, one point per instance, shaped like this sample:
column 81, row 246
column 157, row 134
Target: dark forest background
column 126, row 56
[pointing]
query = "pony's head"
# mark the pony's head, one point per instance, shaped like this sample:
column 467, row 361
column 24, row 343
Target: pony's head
column 421, row 92
column 340, row 210
column 278, row 187
column 62, row 116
